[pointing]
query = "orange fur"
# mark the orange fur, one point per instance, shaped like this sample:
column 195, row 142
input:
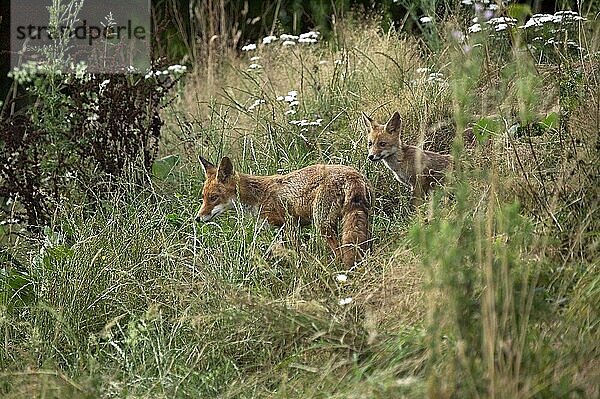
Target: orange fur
column 326, row 195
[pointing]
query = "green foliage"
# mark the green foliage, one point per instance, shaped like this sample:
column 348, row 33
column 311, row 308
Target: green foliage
column 163, row 168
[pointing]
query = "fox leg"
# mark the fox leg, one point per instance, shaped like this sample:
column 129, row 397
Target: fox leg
column 330, row 233
column 418, row 191
column 326, row 215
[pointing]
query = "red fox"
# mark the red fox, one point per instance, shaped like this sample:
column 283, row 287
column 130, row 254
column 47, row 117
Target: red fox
column 419, row 169
column 326, row 195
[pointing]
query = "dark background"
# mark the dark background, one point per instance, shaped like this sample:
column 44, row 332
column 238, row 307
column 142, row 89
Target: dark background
column 253, row 19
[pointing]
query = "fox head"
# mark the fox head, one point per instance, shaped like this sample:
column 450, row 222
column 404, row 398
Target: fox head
column 219, row 191
column 383, row 140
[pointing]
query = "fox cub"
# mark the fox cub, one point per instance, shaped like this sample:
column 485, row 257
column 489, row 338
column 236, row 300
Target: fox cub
column 326, row 195
column 419, row 169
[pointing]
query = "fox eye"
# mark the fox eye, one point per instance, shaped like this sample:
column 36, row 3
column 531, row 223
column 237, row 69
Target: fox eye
column 382, row 143
column 213, row 198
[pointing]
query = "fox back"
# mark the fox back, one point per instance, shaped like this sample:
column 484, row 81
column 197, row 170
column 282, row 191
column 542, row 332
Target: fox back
column 330, row 196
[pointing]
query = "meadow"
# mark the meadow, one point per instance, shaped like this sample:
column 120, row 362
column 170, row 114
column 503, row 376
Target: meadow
column 488, row 289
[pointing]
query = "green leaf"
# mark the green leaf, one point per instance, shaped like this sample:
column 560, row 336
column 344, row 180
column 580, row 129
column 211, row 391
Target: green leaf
column 551, row 121
column 163, row 167
column 174, row 219
column 484, row 128
column 15, row 288
column 519, row 11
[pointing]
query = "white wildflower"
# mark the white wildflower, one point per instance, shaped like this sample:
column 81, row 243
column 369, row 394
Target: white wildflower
column 436, row 77
column 249, row 47
column 255, row 104
column 255, row 58
column 309, row 35
column 290, row 112
column 291, row 96
column 467, row 2
column 425, row 20
column 502, row 20
column 475, row 28
column 341, row 277
column 538, row 20
column 294, row 103
column 566, row 12
column 305, row 122
column 288, row 43
column 345, row 301
column 177, row 68
column 104, row 84
column 287, row 37
column 254, row 66
column 501, row 27
column 307, row 40
column 280, row 98
column 269, row 39
column 422, row 70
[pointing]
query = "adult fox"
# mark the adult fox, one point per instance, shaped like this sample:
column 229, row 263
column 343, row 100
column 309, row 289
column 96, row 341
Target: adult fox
column 326, row 195
column 419, row 169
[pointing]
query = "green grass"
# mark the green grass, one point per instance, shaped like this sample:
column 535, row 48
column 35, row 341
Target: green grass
column 487, row 290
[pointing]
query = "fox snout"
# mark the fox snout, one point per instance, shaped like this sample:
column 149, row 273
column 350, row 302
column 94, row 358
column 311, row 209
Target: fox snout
column 203, row 218
column 204, row 215
column 373, row 157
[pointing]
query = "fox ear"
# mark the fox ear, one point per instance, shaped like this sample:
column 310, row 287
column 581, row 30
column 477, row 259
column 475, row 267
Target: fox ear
column 367, row 121
column 394, row 124
column 225, row 169
column 206, row 166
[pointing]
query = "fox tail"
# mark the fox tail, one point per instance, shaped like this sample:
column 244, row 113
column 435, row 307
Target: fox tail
column 355, row 223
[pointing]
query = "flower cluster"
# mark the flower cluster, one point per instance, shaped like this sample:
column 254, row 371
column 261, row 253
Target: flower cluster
column 502, row 23
column 560, row 17
column 345, row 301
column 546, row 32
column 432, row 78
column 287, row 40
column 256, row 103
column 556, row 20
column 304, row 122
column 292, row 99
column 173, row 70
column 309, row 37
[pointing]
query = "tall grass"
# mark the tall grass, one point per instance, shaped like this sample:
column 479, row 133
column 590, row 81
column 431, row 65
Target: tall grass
column 487, row 290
